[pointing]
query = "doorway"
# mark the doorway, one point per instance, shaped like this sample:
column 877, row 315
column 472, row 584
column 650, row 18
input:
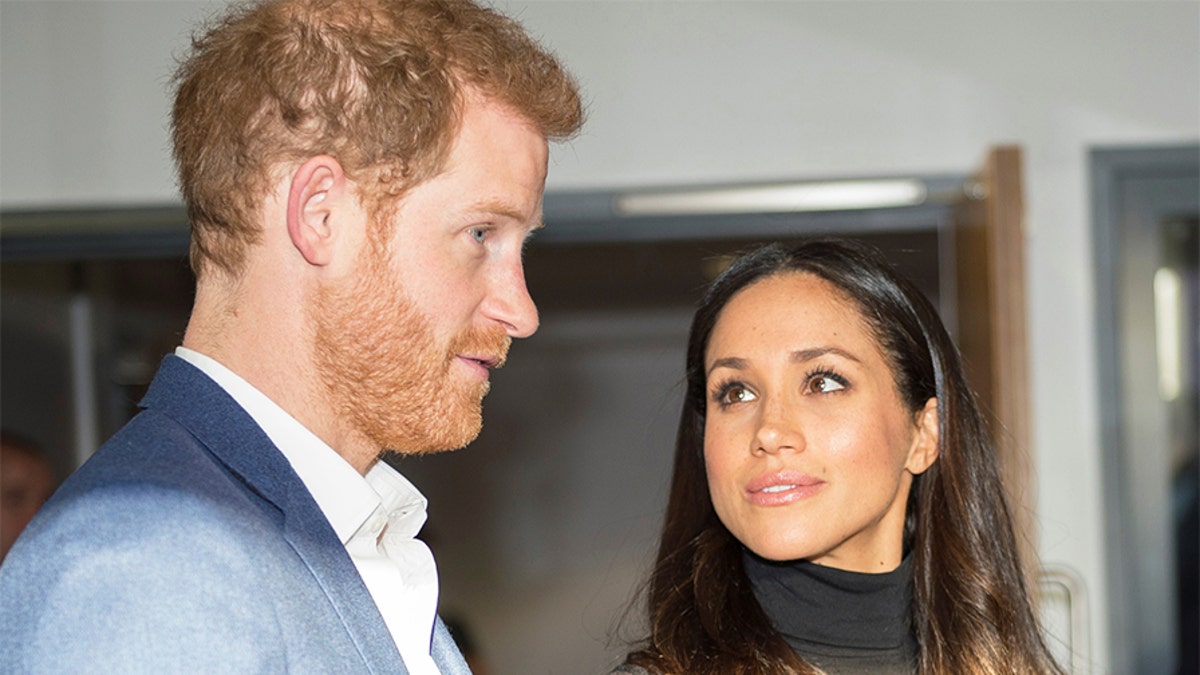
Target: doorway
column 1147, row 210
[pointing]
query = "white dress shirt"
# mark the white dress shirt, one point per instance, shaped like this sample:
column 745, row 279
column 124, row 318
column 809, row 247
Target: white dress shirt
column 376, row 516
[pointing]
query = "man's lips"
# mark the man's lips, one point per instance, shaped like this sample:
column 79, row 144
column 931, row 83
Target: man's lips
column 485, row 361
column 480, row 364
column 782, row 487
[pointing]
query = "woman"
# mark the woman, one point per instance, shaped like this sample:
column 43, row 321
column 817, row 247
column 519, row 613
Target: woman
column 835, row 504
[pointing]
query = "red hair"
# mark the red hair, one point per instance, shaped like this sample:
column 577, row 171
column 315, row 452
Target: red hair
column 375, row 83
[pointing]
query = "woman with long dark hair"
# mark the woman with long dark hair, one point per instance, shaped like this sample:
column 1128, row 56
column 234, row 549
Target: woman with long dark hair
column 836, row 504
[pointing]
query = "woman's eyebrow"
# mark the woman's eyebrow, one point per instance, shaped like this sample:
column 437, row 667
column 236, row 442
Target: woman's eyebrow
column 803, row 355
column 798, row 356
column 732, row 362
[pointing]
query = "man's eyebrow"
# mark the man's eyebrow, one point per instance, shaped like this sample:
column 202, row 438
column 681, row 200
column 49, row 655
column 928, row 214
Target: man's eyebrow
column 502, row 208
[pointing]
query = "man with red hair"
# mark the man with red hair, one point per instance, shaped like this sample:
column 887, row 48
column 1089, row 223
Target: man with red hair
column 360, row 177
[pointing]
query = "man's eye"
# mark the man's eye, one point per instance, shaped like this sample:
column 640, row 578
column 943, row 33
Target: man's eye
column 478, row 234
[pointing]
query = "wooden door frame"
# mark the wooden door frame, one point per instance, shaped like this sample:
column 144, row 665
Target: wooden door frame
column 989, row 241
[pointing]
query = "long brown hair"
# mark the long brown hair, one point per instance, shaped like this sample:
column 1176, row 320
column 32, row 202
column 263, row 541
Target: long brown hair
column 971, row 612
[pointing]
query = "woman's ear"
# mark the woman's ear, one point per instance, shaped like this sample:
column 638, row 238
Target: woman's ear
column 316, row 188
column 924, row 450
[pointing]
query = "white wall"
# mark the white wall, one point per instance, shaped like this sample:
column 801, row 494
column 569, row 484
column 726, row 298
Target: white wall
column 83, row 100
column 684, row 92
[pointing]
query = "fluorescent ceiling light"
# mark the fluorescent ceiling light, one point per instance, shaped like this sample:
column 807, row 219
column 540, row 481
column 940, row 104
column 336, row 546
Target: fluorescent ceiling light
column 784, row 198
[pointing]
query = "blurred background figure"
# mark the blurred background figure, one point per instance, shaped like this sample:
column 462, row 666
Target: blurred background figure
column 26, row 481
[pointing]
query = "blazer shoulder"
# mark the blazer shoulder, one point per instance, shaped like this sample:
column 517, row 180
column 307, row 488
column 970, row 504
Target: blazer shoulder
column 186, row 543
column 141, row 574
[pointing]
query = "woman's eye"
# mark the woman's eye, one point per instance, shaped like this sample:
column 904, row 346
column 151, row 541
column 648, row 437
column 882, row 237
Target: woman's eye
column 824, row 384
column 736, row 394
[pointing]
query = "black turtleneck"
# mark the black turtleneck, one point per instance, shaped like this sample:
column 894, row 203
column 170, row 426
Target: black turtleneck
column 842, row 622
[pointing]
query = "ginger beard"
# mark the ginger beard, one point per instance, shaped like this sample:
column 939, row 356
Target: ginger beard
column 385, row 372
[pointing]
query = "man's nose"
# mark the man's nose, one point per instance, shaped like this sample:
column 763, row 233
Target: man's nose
column 510, row 304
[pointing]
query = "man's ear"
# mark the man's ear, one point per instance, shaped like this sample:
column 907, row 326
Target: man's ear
column 924, row 450
column 317, row 187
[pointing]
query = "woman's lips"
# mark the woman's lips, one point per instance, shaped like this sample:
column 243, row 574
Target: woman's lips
column 782, row 487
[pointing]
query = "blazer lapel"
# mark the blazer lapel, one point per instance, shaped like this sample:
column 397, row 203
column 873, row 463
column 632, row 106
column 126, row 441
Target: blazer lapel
column 188, row 395
column 445, row 652
column 314, row 540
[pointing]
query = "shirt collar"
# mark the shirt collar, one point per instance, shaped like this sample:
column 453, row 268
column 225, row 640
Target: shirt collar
column 346, row 497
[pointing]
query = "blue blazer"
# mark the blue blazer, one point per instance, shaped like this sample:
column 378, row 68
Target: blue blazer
column 188, row 544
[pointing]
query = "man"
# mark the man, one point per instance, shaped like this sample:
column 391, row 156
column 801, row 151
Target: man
column 360, row 178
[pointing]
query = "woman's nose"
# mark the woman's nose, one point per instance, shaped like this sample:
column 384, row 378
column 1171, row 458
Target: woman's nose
column 777, row 431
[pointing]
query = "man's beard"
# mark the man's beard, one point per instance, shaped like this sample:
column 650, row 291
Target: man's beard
column 377, row 355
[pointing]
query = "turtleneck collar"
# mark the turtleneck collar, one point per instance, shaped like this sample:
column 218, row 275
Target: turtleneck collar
column 826, row 611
